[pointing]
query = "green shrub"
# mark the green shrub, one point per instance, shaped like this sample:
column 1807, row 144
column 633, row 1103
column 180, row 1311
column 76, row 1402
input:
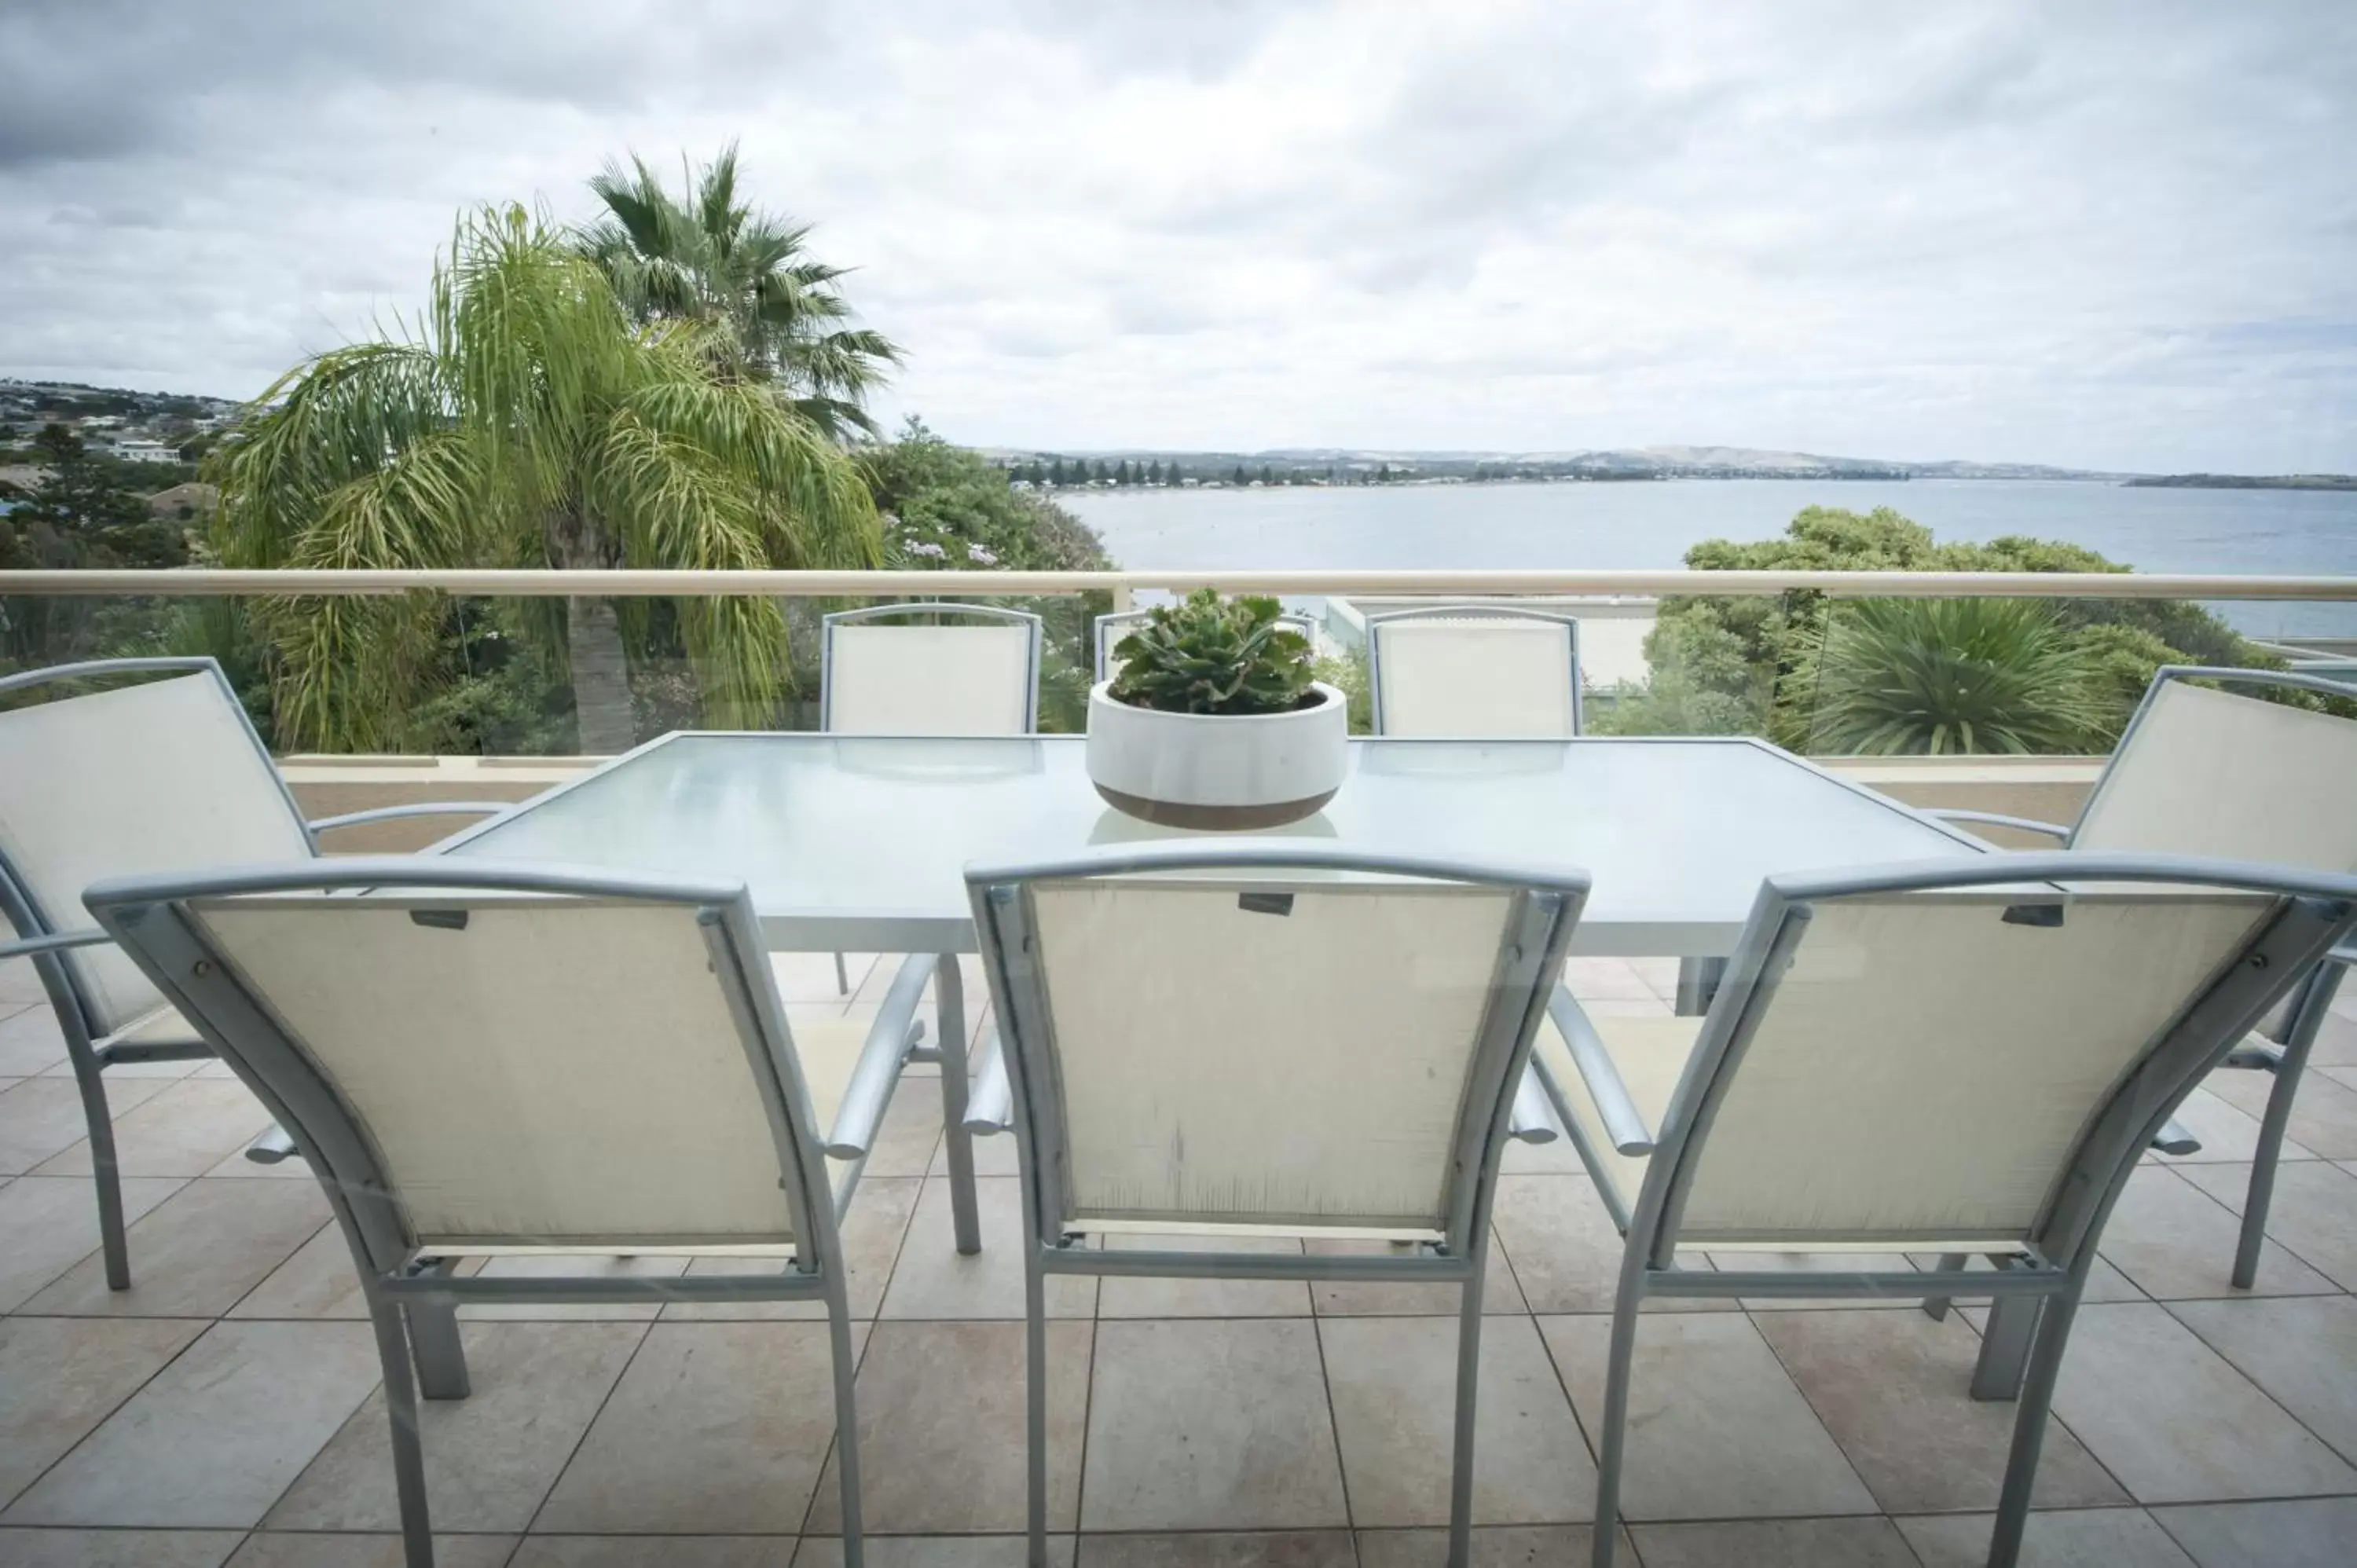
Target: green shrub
column 1210, row 655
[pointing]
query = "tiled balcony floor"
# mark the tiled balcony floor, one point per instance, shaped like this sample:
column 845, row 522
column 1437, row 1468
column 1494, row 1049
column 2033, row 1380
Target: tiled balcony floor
column 224, row 1410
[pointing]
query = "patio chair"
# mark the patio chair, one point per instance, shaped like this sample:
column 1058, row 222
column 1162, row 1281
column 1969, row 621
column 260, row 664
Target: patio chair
column 1111, row 629
column 482, row 1060
column 1933, row 1058
column 1253, row 1040
column 2203, row 771
column 1481, row 672
column 105, row 774
column 941, row 679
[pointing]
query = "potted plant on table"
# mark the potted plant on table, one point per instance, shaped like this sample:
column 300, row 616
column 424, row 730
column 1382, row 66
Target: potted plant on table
column 1214, row 719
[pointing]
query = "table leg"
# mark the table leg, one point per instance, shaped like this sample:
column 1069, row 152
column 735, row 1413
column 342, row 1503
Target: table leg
column 1698, row 981
column 949, row 993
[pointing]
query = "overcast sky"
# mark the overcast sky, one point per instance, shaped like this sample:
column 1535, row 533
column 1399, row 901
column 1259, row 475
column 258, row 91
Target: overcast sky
column 2110, row 235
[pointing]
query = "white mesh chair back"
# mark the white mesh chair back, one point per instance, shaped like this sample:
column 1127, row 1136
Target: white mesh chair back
column 555, row 1071
column 1227, row 1054
column 163, row 776
column 2215, row 773
column 930, row 680
column 1486, row 676
column 1923, row 1070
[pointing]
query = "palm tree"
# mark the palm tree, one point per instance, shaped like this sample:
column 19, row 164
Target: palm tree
column 1890, row 677
column 524, row 421
column 708, row 257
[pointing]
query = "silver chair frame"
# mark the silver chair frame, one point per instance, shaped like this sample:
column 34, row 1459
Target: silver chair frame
column 1022, row 1089
column 411, row 1299
column 1109, row 628
column 48, row 939
column 2041, row 1281
column 2286, row 1054
column 884, row 612
column 1466, row 612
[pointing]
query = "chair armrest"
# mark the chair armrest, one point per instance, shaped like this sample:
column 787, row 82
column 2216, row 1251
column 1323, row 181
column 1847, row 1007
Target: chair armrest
column 271, row 1148
column 1531, row 1120
column 417, row 809
column 1623, row 1124
column 2176, row 1138
column 55, row 941
column 991, row 1107
column 1998, row 820
column 873, row 1076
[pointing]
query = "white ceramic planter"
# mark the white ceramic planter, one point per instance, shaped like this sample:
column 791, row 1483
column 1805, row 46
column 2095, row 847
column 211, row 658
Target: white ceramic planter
column 1211, row 770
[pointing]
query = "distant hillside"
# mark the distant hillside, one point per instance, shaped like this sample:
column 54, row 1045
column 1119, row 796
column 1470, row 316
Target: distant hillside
column 1337, row 464
column 2248, row 481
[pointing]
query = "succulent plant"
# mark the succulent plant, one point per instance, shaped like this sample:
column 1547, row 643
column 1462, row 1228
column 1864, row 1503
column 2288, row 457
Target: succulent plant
column 1210, row 655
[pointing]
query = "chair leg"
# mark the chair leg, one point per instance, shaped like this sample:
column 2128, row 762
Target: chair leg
column 2315, row 1000
column 408, row 1453
column 846, row 1422
column 1468, row 1382
column 949, row 993
column 1035, row 1400
column 104, row 1168
column 841, row 977
column 2006, row 1344
column 1698, row 979
column 441, row 1356
column 2030, row 1426
column 1612, row 1446
column 1935, row 1307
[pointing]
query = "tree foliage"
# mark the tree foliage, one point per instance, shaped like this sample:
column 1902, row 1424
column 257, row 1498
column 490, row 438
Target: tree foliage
column 1766, row 665
column 525, row 421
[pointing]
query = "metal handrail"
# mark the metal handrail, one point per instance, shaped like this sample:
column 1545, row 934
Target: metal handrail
column 632, row 583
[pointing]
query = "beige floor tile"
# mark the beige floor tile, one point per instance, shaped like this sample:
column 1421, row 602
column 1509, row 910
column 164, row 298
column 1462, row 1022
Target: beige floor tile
column 660, row 1268
column 2320, row 1532
column 1393, row 1384
column 200, row 1250
column 2303, row 1352
column 910, row 1132
column 42, row 1116
column 1618, row 978
column 60, row 1377
column 235, row 1165
column 872, row 1234
column 489, row 1457
column 30, row 1040
column 1360, row 1298
column 20, row 983
column 2096, row 1538
column 117, row 1548
column 2176, row 1243
column 940, row 1429
column 1775, row 1543
column 49, row 1222
column 934, row 1280
column 184, row 1130
column 667, row 1550
column 2313, row 1213
column 2323, row 1112
column 930, row 1551
column 1817, row 1264
column 215, row 1437
column 1494, row 1546
column 2336, row 1042
column 1716, row 1428
column 1893, row 1388
column 1206, row 1426
column 1267, row 1549
column 359, row 1551
column 2175, row 1422
column 1565, row 1252
column 1144, row 1298
column 319, row 1280
column 715, row 1427
column 2227, row 1132
column 1558, row 1158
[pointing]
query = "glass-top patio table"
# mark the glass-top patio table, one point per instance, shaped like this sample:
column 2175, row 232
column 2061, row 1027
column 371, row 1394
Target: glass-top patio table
column 857, row 843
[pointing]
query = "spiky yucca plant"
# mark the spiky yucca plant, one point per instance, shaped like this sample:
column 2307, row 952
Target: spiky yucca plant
column 1935, row 677
column 1211, row 655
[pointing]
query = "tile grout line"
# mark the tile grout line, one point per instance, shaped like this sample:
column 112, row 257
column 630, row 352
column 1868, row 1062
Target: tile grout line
column 646, row 1332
